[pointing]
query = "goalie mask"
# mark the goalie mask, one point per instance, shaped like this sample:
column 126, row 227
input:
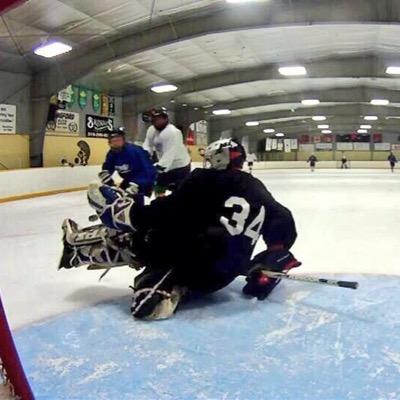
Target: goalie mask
column 225, row 154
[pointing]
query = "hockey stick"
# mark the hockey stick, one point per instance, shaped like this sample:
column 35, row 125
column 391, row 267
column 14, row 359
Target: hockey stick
column 311, row 279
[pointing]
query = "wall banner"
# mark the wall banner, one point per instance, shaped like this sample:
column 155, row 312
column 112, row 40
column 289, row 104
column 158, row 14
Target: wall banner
column 294, row 144
column 98, row 127
column 82, row 100
column 8, row 118
column 268, row 144
column 287, row 145
column 96, row 101
column 111, row 105
column 104, row 104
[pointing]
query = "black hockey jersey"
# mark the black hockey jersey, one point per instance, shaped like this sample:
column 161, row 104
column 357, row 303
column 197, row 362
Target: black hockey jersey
column 207, row 229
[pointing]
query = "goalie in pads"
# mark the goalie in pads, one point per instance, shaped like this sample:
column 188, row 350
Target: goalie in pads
column 198, row 239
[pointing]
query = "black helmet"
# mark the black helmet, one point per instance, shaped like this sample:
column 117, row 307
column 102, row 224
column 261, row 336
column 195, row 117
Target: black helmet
column 116, row 132
column 156, row 112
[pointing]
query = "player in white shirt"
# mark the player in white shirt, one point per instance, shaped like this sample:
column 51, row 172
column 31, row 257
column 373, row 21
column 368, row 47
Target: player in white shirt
column 251, row 158
column 173, row 158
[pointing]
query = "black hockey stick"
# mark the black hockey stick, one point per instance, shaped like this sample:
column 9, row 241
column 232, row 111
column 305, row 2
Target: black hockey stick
column 311, row 279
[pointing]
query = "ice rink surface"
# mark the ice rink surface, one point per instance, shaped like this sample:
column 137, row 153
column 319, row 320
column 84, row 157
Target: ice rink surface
column 77, row 340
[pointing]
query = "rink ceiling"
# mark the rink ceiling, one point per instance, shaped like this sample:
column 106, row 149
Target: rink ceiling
column 217, row 53
column 305, row 342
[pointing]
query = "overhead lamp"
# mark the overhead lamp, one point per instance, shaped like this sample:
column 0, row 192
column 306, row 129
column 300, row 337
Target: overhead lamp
column 252, row 123
column 164, row 88
column 279, row 134
column 362, row 131
column 380, row 102
column 310, row 102
column 221, row 112
column 370, row 117
column 323, row 126
column 269, row 130
column 365, row 126
column 295, row 70
column 318, row 118
column 326, row 131
column 52, row 49
column 393, row 70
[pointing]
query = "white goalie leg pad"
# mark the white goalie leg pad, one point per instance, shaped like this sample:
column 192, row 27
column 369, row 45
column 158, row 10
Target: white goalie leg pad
column 75, row 236
column 104, row 255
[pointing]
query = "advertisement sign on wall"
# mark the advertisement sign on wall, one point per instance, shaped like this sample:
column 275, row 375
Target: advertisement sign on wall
column 344, row 146
column 66, row 124
column 361, row 146
column 306, row 147
column 324, row 146
column 384, row 146
column 8, row 118
column 98, row 127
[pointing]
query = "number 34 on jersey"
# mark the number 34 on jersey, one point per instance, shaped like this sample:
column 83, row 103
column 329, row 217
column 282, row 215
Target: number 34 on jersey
column 235, row 225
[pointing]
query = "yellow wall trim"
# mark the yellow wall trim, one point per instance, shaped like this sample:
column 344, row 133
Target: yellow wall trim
column 40, row 194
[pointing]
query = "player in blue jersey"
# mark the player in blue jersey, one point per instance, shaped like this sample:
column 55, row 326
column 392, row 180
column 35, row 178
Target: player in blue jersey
column 132, row 163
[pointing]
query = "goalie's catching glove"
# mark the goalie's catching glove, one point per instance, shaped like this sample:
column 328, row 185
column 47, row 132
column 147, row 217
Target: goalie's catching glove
column 112, row 205
column 260, row 285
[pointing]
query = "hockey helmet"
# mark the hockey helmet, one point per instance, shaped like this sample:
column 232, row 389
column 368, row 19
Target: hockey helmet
column 225, row 153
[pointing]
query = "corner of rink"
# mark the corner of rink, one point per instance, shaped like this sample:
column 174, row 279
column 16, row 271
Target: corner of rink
column 305, row 342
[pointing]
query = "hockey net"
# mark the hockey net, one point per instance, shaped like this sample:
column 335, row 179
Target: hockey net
column 339, row 164
column 12, row 375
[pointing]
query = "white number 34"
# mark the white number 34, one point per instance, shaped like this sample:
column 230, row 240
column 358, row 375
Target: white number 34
column 235, row 225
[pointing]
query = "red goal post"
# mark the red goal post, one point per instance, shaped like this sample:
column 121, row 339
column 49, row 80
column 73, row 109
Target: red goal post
column 11, row 371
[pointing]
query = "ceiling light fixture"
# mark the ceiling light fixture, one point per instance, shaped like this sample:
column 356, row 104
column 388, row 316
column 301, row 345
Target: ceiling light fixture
column 362, row 131
column 52, row 49
column 279, row 134
column 252, row 123
column 326, row 131
column 365, row 126
column 222, row 112
column 269, row 130
column 380, row 102
column 164, row 88
column 370, row 117
column 318, row 118
column 393, row 70
column 293, row 71
column 323, row 126
column 310, row 102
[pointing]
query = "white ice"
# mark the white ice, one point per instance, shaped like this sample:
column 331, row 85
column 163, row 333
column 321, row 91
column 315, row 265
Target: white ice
column 347, row 222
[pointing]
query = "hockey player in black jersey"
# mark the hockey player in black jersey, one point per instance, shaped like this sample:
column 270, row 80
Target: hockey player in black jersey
column 198, row 239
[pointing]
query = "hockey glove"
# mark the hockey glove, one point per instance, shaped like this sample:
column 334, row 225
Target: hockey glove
column 159, row 168
column 258, row 284
column 106, row 178
column 112, row 206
